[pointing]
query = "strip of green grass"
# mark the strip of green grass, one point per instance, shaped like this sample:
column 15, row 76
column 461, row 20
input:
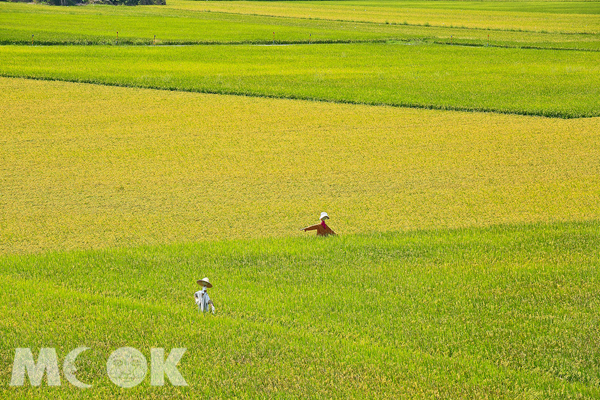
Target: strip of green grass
column 93, row 25
column 548, row 83
column 501, row 312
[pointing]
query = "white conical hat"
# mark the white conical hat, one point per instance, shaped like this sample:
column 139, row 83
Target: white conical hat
column 204, row 282
column 324, row 215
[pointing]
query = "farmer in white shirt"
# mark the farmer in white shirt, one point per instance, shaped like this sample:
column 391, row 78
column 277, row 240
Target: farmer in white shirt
column 204, row 302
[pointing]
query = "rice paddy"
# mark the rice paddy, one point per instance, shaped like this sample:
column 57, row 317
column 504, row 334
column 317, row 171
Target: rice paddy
column 534, row 16
column 461, row 174
column 503, row 312
column 89, row 166
column 201, row 22
column 550, row 83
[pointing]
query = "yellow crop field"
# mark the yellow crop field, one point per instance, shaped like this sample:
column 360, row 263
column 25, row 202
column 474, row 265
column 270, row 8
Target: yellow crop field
column 87, row 166
column 413, row 13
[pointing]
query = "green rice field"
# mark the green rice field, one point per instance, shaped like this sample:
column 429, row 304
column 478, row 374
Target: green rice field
column 503, row 312
column 549, row 83
column 454, row 144
column 202, row 22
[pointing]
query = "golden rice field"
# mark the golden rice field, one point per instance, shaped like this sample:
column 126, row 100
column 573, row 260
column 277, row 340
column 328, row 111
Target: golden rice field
column 539, row 17
column 87, row 166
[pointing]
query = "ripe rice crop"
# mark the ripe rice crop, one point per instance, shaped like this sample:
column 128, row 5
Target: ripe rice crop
column 536, row 16
column 87, row 166
column 466, row 264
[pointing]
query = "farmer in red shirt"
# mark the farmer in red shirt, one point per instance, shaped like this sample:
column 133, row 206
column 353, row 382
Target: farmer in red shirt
column 322, row 228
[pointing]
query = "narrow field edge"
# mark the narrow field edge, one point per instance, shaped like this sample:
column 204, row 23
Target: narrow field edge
column 167, row 43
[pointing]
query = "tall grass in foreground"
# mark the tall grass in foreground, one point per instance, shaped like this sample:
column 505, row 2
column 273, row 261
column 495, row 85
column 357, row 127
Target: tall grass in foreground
column 502, row 312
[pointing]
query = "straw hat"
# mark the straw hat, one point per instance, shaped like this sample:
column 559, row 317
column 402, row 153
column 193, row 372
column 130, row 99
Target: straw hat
column 324, row 216
column 204, row 282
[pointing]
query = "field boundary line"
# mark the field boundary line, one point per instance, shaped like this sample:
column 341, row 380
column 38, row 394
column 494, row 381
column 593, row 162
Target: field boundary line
column 500, row 46
column 167, row 43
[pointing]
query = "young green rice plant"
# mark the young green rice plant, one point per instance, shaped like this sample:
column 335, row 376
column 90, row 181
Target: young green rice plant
column 497, row 312
column 185, row 23
column 549, row 83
